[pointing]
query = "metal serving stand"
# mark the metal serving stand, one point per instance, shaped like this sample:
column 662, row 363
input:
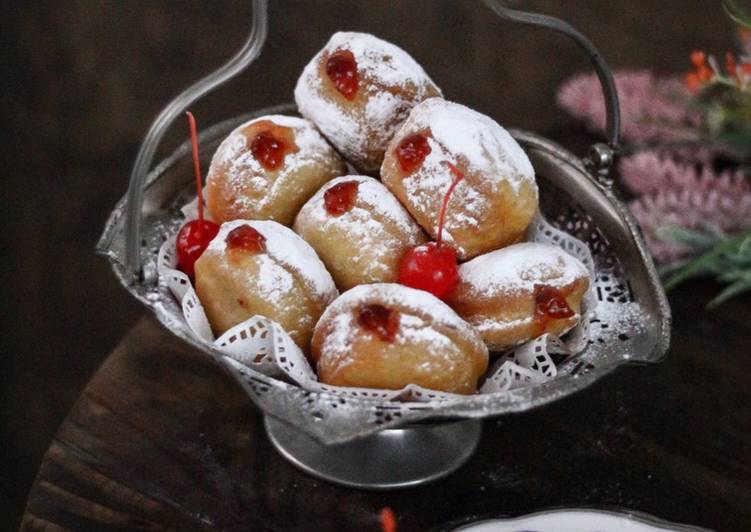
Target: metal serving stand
column 362, row 441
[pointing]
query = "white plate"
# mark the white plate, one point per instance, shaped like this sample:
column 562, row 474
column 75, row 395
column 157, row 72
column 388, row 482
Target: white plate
column 579, row 521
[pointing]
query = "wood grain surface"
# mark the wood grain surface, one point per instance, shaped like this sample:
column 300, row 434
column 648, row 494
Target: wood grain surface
column 163, row 439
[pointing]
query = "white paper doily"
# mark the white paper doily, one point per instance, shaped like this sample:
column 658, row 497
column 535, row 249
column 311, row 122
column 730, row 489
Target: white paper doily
column 262, row 345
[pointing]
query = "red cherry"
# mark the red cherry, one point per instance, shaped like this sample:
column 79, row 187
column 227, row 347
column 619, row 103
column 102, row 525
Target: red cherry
column 340, row 198
column 411, row 152
column 381, row 320
column 430, row 267
column 550, row 303
column 246, row 238
column 341, row 68
column 268, row 150
column 192, row 240
column 195, row 236
column 433, row 267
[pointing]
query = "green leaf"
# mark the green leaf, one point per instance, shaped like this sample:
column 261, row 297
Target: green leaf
column 714, row 261
column 737, row 13
column 699, row 240
column 732, row 290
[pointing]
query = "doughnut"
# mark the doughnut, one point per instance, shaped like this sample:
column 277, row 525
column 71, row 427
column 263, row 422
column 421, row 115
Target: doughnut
column 267, row 168
column 359, row 230
column 264, row 268
column 358, row 89
column 520, row 292
column 496, row 198
column 389, row 336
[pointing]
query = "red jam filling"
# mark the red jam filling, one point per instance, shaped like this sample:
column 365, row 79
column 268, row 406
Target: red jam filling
column 246, row 238
column 411, row 152
column 341, row 68
column 380, row 320
column 550, row 304
column 268, row 150
column 340, row 198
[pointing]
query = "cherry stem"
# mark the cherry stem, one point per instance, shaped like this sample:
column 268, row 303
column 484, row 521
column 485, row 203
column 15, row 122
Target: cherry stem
column 196, row 164
column 458, row 176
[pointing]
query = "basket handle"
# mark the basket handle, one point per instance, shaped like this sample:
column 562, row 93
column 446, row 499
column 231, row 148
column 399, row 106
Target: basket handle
column 244, row 57
column 601, row 155
column 599, row 160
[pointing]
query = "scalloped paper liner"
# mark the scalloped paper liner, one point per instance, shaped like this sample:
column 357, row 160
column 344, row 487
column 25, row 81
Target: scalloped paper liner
column 262, row 345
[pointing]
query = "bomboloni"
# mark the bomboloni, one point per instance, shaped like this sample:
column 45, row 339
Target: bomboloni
column 267, row 168
column 520, row 292
column 389, row 336
column 357, row 90
column 359, row 230
column 263, row 268
column 496, row 198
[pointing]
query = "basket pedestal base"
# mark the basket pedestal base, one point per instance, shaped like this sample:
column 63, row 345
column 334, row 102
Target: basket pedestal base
column 392, row 458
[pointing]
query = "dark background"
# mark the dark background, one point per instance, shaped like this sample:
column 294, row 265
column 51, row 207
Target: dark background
column 82, row 80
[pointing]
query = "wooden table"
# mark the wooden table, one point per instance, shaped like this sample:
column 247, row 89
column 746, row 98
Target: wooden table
column 162, row 438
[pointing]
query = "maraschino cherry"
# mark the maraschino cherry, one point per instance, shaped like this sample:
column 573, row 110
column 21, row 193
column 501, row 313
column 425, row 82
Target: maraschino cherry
column 433, row 266
column 194, row 236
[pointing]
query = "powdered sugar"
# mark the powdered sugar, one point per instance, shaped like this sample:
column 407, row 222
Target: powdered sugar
column 482, row 144
column 377, row 229
column 372, row 194
column 519, row 267
column 273, row 280
column 492, row 160
column 415, row 329
column 285, row 247
column 248, row 179
column 421, row 304
column 378, row 59
column 427, row 186
column 427, row 324
column 381, row 66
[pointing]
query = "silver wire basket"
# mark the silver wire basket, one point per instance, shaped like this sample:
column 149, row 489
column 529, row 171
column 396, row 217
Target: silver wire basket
column 369, row 442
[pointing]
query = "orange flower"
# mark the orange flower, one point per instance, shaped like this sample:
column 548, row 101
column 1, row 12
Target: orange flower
column 705, row 74
column 692, row 81
column 698, row 58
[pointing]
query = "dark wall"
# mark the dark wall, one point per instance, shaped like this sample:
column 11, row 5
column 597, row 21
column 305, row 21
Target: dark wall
column 82, row 80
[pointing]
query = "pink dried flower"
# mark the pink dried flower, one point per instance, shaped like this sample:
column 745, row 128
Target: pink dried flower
column 652, row 108
column 684, row 195
column 650, row 171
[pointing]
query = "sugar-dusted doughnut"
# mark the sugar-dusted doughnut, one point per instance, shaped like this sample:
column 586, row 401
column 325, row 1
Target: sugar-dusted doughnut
column 358, row 89
column 264, row 268
column 520, row 292
column 389, row 336
column 267, row 168
column 496, row 198
column 359, row 230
